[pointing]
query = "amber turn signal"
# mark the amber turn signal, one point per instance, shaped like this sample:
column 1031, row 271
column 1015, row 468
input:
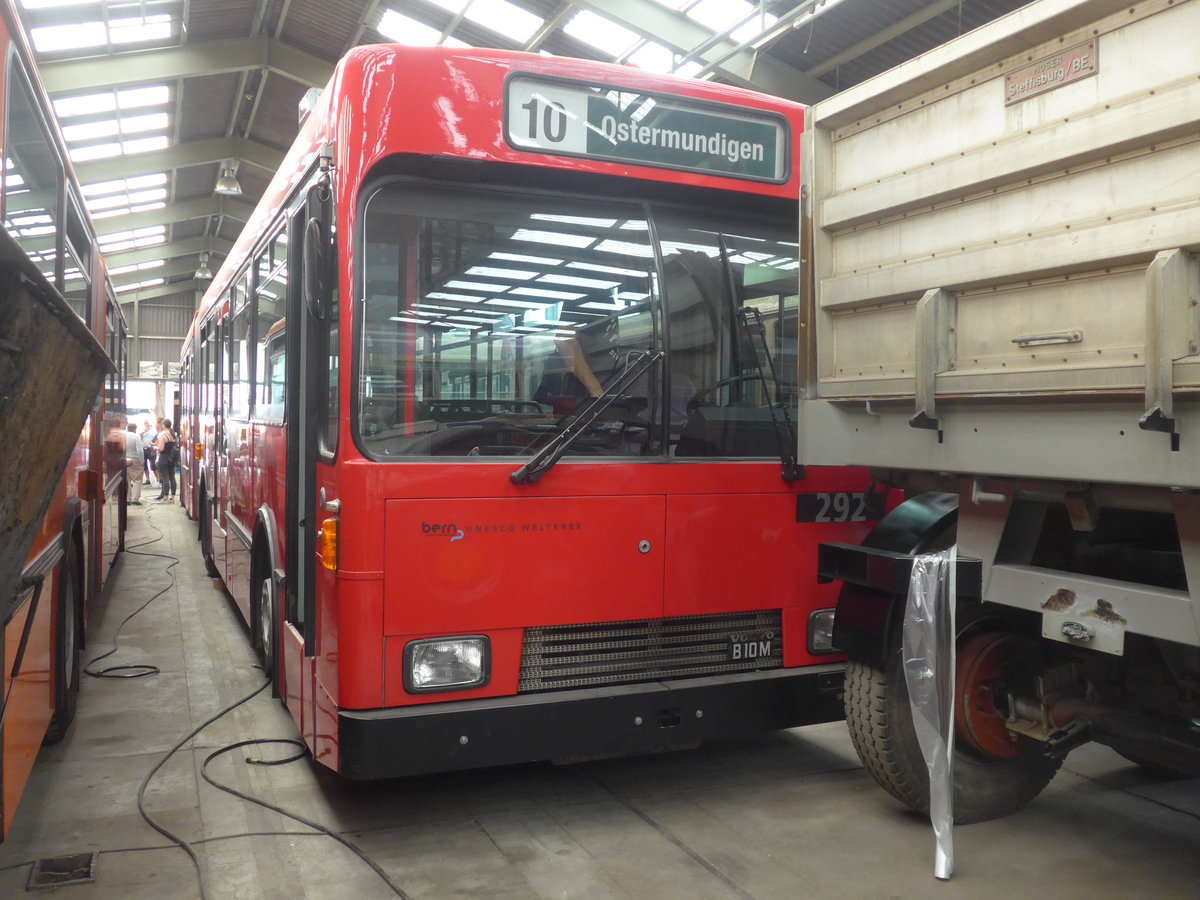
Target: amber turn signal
column 327, row 539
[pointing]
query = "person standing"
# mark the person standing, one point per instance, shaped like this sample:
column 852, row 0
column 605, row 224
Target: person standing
column 166, row 446
column 134, row 459
column 147, row 433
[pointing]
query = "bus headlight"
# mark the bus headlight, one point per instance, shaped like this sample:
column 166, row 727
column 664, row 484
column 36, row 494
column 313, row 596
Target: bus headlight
column 820, row 632
column 447, row 664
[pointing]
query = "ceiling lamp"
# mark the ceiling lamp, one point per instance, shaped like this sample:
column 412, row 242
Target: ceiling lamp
column 227, row 183
column 204, row 273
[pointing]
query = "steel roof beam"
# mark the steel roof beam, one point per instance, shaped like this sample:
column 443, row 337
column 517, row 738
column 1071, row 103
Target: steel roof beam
column 174, row 250
column 175, row 267
column 194, row 60
column 683, row 35
column 190, row 153
column 879, row 38
column 177, row 212
column 164, row 290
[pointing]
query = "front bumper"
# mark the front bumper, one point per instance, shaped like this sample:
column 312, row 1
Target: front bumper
column 595, row 723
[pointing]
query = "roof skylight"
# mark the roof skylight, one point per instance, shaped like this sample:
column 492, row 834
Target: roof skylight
column 753, row 28
column 80, row 35
column 88, row 131
column 504, row 18
column 138, row 285
column 132, row 240
column 407, row 30
column 720, row 15
column 126, row 210
column 653, row 57
column 500, row 16
column 104, row 151
column 139, row 121
column 124, row 185
column 137, row 267
column 108, row 101
column 600, row 32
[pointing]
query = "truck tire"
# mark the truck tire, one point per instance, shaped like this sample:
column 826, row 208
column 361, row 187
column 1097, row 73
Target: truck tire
column 68, row 641
column 880, row 722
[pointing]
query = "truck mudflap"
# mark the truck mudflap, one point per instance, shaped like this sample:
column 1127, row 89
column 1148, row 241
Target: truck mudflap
column 875, row 576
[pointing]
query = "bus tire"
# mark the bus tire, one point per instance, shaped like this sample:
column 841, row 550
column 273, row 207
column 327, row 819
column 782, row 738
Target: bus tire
column 264, row 631
column 881, row 729
column 122, row 512
column 68, row 640
column 210, row 565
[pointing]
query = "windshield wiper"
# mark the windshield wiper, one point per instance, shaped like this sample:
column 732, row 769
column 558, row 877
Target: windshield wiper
column 785, row 431
column 583, row 417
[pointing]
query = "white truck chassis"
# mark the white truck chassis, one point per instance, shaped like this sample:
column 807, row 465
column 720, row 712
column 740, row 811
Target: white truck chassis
column 1005, row 312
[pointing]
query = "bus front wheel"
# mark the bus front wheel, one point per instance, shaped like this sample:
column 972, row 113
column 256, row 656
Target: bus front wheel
column 264, row 627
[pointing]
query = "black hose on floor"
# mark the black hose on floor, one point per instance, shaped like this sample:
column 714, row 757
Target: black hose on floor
column 135, row 670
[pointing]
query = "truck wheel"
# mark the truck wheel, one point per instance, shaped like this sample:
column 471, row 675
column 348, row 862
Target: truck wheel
column 67, row 643
column 993, row 775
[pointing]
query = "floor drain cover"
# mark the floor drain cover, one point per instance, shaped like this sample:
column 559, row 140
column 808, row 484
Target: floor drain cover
column 76, row 868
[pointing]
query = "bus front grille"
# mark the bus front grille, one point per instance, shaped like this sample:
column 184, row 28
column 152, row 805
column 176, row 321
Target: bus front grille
column 555, row 657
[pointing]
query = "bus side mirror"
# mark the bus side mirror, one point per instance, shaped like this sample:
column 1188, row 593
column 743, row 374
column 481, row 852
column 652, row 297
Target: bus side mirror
column 313, row 283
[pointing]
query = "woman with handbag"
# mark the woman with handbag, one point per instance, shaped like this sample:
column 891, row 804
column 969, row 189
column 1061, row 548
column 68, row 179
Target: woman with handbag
column 167, row 446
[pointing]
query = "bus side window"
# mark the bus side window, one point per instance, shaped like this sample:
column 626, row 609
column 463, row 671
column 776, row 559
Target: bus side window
column 270, row 362
column 239, row 356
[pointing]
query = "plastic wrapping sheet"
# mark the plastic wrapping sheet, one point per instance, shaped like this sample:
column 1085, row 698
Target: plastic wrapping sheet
column 928, row 650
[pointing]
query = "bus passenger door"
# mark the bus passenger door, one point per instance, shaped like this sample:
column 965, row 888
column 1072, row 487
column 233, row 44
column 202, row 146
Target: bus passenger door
column 218, row 474
column 209, row 425
column 310, row 318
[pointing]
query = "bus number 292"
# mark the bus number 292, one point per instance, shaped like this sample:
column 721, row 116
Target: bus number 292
column 839, row 507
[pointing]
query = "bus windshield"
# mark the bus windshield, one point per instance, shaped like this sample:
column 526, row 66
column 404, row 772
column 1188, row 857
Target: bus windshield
column 487, row 318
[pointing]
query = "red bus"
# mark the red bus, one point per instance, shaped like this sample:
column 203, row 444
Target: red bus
column 488, row 412
column 61, row 418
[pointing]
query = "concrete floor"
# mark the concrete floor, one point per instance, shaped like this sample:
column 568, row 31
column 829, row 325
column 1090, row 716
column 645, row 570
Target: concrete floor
column 786, row 815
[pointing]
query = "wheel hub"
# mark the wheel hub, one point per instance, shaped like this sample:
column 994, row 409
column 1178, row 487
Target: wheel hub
column 986, row 663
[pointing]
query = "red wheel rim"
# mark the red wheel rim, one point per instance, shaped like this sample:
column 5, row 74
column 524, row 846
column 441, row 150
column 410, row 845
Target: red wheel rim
column 977, row 722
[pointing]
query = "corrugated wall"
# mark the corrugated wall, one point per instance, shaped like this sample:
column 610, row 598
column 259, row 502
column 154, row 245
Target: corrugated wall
column 153, row 325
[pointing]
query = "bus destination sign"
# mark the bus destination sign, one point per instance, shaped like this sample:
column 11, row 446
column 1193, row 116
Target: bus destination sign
column 604, row 122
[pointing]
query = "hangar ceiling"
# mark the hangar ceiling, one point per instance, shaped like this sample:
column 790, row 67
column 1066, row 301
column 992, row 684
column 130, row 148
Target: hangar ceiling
column 158, row 98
